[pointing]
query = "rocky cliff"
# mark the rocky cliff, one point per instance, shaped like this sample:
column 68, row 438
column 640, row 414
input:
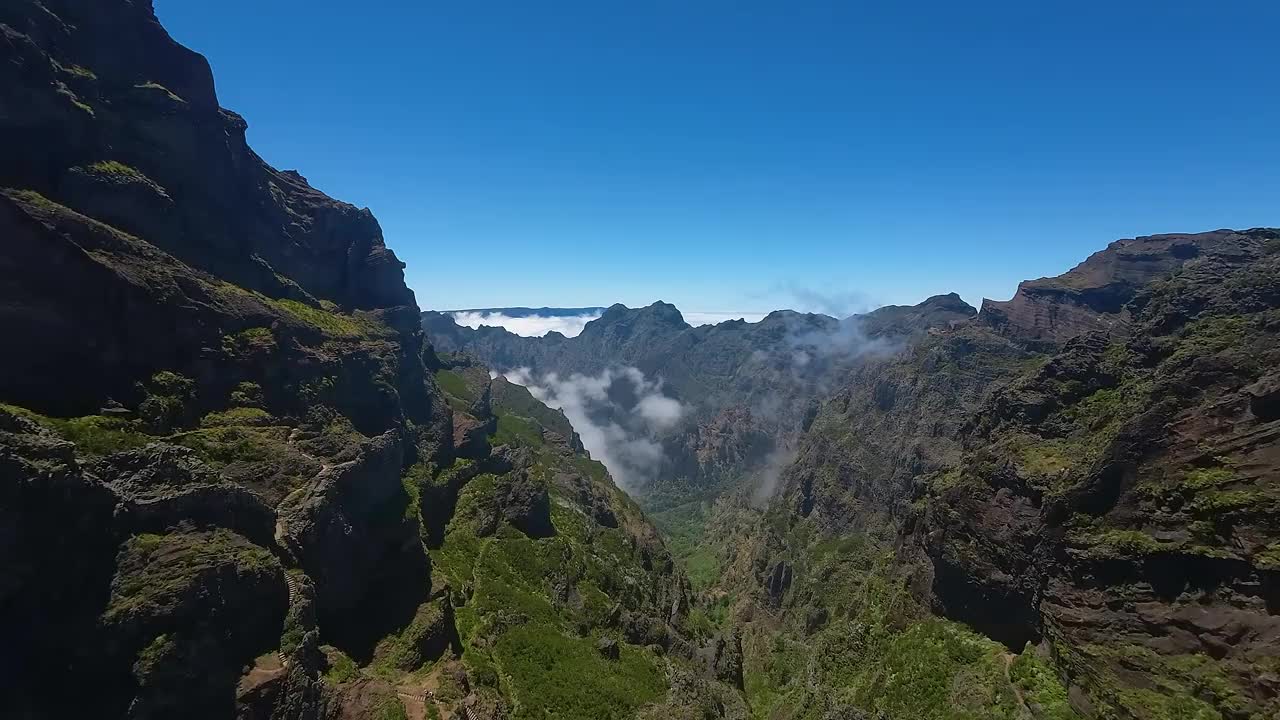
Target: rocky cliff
column 1087, row 482
column 1120, row 503
column 230, row 484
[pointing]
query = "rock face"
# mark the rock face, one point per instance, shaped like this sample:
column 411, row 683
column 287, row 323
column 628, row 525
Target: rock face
column 1097, row 479
column 1093, row 295
column 136, row 194
column 228, row 476
column 1121, row 502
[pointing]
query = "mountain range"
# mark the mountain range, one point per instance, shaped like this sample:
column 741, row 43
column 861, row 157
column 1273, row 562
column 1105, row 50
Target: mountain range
column 243, row 475
column 1084, row 474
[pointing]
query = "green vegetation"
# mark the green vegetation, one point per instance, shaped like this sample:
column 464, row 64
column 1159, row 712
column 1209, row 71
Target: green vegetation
column 225, row 444
column 1040, row 686
column 1201, row 478
column 405, row 650
column 327, row 319
column 247, row 394
column 935, row 669
column 354, row 326
column 1183, row 687
column 341, row 667
column 78, row 71
column 63, row 90
column 1212, row 335
column 931, row 669
column 513, row 430
column 121, row 174
column 249, row 342
column 536, row 607
column 152, row 657
column 878, row 650
column 35, row 203
column 93, row 435
column 236, row 416
column 454, row 384
column 157, row 571
column 391, row 709
column 117, row 169
column 951, row 478
column 168, row 398
column 684, row 530
column 150, row 85
column 1269, row 558
column 291, row 636
column 1116, row 543
column 1227, row 501
column 552, row 675
column 413, row 479
column 1045, row 458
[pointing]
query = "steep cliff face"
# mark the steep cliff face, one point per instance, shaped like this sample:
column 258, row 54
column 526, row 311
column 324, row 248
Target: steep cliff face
column 1104, row 501
column 133, row 192
column 230, row 484
column 1121, row 502
column 1092, row 296
column 570, row 593
column 897, row 419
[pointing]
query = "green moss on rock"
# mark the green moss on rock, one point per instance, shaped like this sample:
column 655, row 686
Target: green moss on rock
column 158, row 574
column 93, row 435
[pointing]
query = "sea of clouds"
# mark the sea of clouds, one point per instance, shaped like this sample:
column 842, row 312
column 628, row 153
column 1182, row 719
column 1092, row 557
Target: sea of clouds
column 527, row 325
column 571, row 325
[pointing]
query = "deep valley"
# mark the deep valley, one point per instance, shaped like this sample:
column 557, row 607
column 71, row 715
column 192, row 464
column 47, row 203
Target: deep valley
column 244, row 475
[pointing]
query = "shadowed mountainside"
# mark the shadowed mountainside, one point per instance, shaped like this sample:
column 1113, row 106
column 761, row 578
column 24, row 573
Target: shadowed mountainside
column 230, row 483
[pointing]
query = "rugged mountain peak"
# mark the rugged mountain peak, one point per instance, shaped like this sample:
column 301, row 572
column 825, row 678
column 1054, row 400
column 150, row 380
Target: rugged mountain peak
column 112, row 118
column 949, row 301
column 939, row 311
column 1092, row 295
column 658, row 315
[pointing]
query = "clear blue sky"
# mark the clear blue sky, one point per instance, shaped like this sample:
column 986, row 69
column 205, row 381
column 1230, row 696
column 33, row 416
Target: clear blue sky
column 720, row 154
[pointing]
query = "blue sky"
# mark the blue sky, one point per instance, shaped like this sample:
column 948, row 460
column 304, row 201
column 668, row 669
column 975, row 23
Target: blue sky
column 742, row 156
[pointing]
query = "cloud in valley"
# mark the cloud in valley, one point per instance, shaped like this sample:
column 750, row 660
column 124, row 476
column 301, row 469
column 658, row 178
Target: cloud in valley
column 616, row 413
column 527, row 325
column 769, row 475
column 533, row 324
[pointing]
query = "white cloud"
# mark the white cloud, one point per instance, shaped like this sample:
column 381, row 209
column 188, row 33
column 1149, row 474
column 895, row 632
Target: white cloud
column 618, row 436
column 572, row 325
column 659, row 410
column 528, row 326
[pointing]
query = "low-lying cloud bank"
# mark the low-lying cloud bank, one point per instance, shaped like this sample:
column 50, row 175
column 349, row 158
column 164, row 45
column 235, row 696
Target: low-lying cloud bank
column 527, row 325
column 616, row 413
column 569, row 323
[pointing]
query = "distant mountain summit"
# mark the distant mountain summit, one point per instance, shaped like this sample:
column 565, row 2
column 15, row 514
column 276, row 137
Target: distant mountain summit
column 762, row 379
column 522, row 312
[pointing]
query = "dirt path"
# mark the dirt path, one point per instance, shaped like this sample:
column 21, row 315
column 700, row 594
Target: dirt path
column 413, row 695
column 265, row 668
